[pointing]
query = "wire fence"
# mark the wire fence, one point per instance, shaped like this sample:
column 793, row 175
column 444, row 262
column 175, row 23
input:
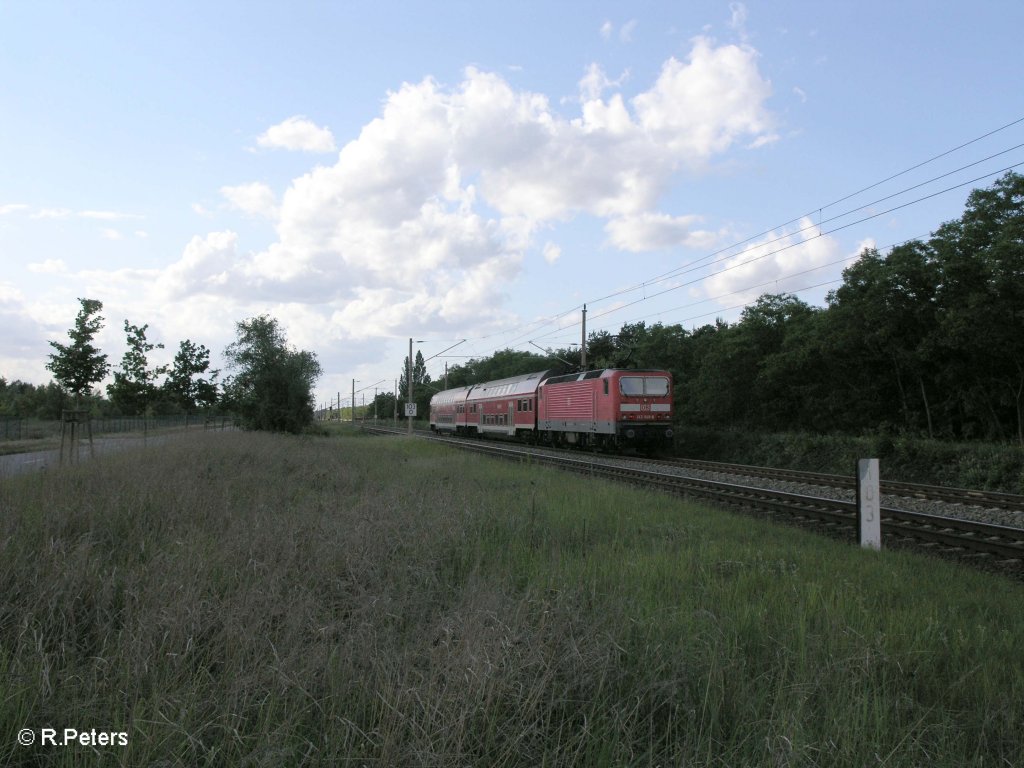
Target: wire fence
column 13, row 428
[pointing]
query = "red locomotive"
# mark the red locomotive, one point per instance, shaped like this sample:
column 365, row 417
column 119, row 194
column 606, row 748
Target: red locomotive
column 610, row 409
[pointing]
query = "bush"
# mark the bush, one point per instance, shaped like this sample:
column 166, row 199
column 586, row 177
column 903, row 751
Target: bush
column 984, row 466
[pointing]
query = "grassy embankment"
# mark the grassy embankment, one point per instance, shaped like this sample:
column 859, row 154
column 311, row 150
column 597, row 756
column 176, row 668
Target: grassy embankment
column 237, row 599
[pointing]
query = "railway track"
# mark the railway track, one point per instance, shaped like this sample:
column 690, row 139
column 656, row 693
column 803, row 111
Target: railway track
column 990, row 499
column 998, row 546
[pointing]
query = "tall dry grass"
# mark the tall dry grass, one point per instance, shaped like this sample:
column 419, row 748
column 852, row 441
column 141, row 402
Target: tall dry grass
column 244, row 599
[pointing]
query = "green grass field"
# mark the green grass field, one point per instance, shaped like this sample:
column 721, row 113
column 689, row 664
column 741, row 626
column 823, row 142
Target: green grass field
column 233, row 599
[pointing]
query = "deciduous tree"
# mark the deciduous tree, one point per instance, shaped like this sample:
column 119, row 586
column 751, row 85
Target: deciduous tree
column 271, row 387
column 79, row 365
column 134, row 388
column 185, row 383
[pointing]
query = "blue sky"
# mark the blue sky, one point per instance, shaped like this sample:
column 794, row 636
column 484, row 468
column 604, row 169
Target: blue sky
column 370, row 172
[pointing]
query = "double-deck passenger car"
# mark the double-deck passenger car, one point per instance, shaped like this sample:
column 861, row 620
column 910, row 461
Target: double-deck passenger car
column 446, row 409
column 505, row 407
column 609, row 408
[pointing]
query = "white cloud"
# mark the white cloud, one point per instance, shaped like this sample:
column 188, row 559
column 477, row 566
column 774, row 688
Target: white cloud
column 52, row 213
column 49, row 267
column 111, row 234
column 738, row 19
column 108, row 215
column 772, row 264
column 67, row 213
column 654, row 231
column 535, row 164
column 625, row 31
column 424, row 218
column 703, row 107
column 763, row 140
column 254, row 199
column 297, row 133
column 595, row 82
column 23, row 338
column 204, row 267
column 868, row 243
column 551, row 252
column 427, row 214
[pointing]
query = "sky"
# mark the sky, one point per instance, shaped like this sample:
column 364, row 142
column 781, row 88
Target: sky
column 470, row 175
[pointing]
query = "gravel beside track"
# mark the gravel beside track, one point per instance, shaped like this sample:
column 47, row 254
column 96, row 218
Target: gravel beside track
column 976, row 512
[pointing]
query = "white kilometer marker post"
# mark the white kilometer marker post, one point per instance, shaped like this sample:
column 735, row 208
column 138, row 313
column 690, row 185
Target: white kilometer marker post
column 869, row 513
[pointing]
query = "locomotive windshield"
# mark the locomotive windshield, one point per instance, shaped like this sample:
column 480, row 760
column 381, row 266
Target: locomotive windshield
column 638, row 386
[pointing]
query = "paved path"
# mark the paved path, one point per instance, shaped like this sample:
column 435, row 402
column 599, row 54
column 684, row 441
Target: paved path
column 36, row 461
column 20, row 463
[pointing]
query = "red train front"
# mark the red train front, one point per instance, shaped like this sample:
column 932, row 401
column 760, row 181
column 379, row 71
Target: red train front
column 611, row 409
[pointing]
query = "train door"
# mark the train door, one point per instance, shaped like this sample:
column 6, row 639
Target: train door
column 511, row 417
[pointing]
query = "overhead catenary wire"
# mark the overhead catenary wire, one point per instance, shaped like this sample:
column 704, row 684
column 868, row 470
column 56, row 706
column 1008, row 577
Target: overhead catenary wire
column 530, row 329
column 795, row 244
column 671, row 273
column 724, row 254
column 745, row 289
column 696, row 263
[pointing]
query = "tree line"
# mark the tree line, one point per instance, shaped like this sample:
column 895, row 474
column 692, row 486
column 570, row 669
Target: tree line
column 270, row 386
column 927, row 340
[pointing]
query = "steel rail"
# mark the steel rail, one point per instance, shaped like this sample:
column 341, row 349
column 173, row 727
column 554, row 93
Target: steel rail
column 995, row 499
column 982, row 538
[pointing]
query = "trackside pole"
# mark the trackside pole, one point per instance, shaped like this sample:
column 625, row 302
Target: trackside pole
column 869, row 513
column 410, row 408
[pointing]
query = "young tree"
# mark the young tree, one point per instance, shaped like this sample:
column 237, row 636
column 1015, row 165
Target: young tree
column 134, row 387
column 183, row 386
column 383, row 406
column 419, row 374
column 79, row 365
column 422, row 388
column 272, row 387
